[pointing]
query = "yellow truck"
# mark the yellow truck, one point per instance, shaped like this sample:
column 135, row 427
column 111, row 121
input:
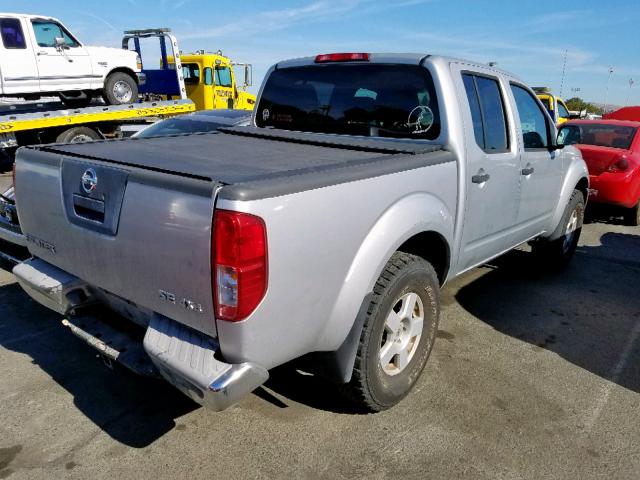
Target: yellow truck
column 554, row 105
column 210, row 81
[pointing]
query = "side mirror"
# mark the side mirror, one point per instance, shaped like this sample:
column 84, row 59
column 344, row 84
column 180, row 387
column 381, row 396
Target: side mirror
column 248, row 76
column 558, row 143
column 60, row 43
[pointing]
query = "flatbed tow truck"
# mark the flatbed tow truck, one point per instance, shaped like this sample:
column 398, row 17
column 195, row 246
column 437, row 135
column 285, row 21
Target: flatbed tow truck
column 182, row 84
column 165, row 92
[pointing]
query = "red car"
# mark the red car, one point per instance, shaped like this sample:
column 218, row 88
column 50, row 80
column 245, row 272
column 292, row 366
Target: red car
column 611, row 149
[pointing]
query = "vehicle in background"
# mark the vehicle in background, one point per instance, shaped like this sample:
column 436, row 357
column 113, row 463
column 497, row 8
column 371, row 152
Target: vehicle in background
column 166, row 92
column 39, row 56
column 611, row 149
column 324, row 230
column 13, row 244
column 626, row 113
column 197, row 122
column 210, row 79
column 554, row 105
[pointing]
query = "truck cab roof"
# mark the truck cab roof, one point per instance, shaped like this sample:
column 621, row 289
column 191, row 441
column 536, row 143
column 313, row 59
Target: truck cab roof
column 402, row 58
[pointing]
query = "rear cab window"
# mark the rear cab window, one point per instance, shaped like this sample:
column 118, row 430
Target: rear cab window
column 487, row 112
column 533, row 120
column 397, row 101
column 11, row 33
column 191, row 73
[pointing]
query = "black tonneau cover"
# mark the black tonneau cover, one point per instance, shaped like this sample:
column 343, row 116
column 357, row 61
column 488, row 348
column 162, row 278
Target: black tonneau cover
column 260, row 162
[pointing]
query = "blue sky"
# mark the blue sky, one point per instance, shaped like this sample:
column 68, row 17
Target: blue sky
column 528, row 38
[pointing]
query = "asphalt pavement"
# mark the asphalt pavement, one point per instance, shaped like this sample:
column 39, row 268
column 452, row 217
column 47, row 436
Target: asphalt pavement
column 534, row 375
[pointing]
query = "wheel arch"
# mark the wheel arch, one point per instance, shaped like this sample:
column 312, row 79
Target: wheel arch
column 422, row 225
column 576, row 177
column 126, row 70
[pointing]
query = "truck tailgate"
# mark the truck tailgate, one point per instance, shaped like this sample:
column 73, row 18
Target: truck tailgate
column 139, row 234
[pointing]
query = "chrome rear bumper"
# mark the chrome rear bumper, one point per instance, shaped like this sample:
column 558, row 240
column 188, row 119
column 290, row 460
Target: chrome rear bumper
column 187, row 359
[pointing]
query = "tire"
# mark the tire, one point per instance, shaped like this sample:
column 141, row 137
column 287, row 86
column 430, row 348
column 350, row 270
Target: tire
column 406, row 281
column 78, row 135
column 120, row 88
column 632, row 216
column 558, row 253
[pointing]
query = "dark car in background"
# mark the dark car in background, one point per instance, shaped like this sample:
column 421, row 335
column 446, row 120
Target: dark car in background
column 198, row 122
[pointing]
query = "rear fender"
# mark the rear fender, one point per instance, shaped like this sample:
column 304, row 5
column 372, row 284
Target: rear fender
column 406, row 218
column 576, row 171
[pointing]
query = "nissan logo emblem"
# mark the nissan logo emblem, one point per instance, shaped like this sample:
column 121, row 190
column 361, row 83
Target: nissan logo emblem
column 89, row 180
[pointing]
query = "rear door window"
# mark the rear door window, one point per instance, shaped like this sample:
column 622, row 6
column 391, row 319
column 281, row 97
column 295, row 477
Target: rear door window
column 533, row 121
column 352, row 99
column 11, row 32
column 487, row 112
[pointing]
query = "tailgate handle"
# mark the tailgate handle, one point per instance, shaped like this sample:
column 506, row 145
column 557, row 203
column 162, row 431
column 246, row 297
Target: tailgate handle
column 88, row 208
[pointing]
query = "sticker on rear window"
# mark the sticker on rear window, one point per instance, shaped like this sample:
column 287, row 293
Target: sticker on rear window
column 420, row 119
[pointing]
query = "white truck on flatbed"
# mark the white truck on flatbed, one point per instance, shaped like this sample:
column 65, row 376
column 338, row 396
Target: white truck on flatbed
column 45, row 121
column 39, row 56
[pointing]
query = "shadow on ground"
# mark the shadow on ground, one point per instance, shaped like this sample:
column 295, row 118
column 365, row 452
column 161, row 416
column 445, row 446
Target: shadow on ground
column 589, row 314
column 133, row 410
column 605, row 214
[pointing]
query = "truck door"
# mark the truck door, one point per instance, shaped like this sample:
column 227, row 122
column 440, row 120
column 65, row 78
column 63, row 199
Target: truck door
column 19, row 69
column 541, row 168
column 223, row 87
column 491, row 172
column 60, row 68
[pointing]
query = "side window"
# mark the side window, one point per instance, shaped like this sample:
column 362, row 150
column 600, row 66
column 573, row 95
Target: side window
column 223, row 76
column 46, row 33
column 11, row 32
column 191, row 73
column 474, row 104
column 532, row 119
column 562, row 111
column 487, row 112
column 208, row 76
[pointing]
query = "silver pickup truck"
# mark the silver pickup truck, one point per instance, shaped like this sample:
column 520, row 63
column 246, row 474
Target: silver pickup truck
column 325, row 229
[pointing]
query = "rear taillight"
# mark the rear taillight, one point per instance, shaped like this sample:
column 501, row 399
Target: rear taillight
column 342, row 57
column 239, row 264
column 620, row 165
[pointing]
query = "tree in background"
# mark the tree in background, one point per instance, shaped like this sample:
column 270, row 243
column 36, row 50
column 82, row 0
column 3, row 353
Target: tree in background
column 579, row 105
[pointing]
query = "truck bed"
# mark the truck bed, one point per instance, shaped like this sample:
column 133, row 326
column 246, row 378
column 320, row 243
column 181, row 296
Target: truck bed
column 252, row 162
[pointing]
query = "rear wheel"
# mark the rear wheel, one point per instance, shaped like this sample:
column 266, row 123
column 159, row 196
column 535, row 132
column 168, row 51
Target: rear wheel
column 632, row 216
column 78, row 135
column 120, row 88
column 398, row 333
column 559, row 252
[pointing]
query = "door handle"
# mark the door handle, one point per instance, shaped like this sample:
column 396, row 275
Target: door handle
column 480, row 177
column 41, row 53
column 527, row 171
